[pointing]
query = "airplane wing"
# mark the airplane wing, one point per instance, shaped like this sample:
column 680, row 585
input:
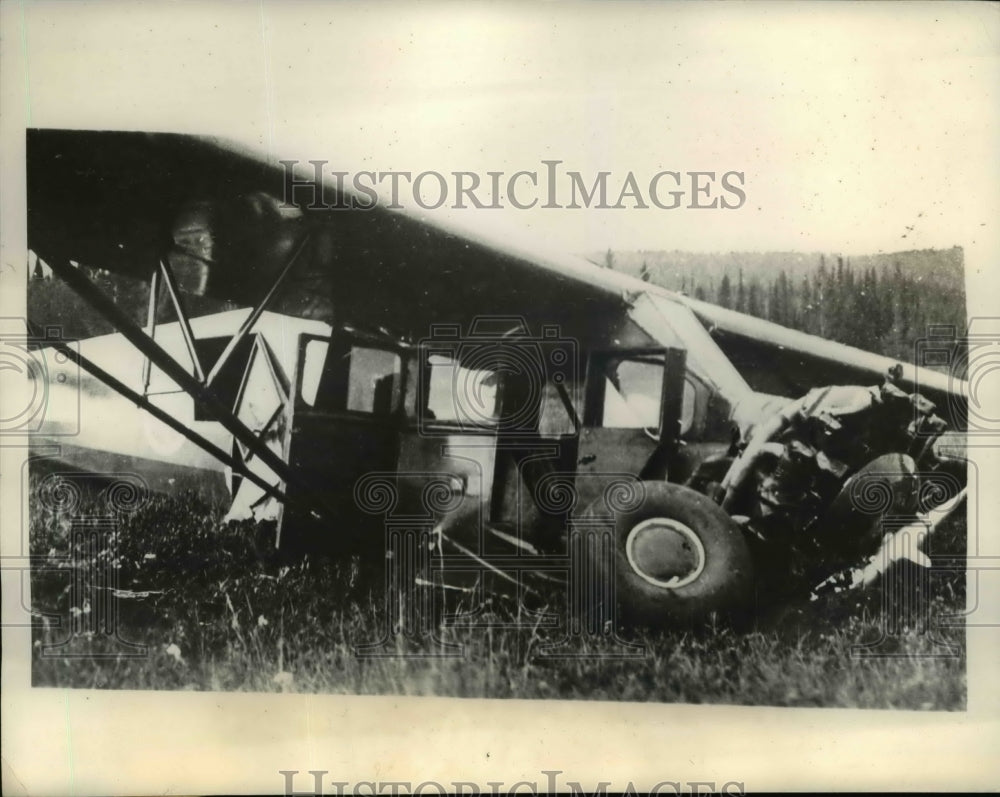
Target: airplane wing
column 199, row 217
column 122, row 201
column 788, row 362
column 208, row 218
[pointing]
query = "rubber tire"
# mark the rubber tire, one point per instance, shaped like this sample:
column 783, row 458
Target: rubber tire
column 724, row 589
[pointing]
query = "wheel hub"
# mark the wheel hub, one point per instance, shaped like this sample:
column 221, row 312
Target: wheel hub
column 665, row 552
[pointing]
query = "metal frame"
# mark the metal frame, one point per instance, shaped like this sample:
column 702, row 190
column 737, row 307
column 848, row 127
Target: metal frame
column 144, row 403
column 197, row 385
column 594, row 389
column 154, row 298
column 182, row 318
column 255, row 314
column 262, row 350
column 165, row 272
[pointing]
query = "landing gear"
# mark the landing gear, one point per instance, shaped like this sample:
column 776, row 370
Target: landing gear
column 677, row 558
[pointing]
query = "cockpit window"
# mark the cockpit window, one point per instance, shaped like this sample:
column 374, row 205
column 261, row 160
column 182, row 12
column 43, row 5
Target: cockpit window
column 633, row 390
column 688, row 402
column 457, row 393
column 355, row 378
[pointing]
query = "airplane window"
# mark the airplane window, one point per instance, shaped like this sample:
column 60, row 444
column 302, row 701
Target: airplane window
column 372, row 380
column 687, row 406
column 632, row 394
column 356, row 379
column 312, row 369
column 457, row 393
column 555, row 420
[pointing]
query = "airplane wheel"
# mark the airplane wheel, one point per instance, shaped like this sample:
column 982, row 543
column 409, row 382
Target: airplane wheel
column 677, row 559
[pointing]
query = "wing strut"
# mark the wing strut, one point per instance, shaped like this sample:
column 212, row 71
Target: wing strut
column 154, row 297
column 141, row 401
column 182, row 317
column 199, row 391
column 247, row 325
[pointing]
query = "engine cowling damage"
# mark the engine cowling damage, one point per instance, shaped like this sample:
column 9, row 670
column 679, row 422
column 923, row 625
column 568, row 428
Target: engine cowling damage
column 819, row 485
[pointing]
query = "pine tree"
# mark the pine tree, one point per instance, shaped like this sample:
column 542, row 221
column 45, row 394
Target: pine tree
column 887, row 313
column 725, row 292
column 782, row 300
column 754, row 299
column 851, row 309
column 820, row 296
column 807, row 313
column 904, row 302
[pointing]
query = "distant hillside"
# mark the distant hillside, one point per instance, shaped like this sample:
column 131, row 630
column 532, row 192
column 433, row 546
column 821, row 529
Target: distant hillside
column 883, row 302
column 938, row 267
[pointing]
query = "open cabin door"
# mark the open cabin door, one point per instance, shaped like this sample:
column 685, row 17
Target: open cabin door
column 345, row 423
column 631, row 418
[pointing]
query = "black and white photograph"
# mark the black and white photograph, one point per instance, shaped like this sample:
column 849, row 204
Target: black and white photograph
column 571, row 397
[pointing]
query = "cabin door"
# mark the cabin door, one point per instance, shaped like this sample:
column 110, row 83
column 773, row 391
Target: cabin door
column 345, row 424
column 631, row 418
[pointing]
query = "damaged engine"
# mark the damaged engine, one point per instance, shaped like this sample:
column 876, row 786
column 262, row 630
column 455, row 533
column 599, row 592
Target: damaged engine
column 812, row 485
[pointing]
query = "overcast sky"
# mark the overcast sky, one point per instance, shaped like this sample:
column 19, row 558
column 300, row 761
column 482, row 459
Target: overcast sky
column 859, row 128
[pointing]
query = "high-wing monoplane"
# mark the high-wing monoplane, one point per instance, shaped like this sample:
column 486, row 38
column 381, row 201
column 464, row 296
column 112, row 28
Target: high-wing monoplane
column 342, row 372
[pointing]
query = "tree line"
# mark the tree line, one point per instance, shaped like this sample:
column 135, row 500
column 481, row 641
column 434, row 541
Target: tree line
column 884, row 305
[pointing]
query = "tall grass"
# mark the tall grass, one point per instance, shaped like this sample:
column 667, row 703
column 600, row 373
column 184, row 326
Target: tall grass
column 212, row 617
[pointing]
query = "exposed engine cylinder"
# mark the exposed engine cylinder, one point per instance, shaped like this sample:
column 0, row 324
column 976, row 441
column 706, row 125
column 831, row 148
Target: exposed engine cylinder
column 792, row 480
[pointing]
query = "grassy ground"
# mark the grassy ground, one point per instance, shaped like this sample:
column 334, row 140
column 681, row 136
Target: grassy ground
column 212, row 618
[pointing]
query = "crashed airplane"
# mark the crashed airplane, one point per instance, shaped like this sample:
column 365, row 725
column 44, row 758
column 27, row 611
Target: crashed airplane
column 381, row 368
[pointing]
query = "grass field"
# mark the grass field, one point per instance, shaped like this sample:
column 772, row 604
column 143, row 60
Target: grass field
column 211, row 617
